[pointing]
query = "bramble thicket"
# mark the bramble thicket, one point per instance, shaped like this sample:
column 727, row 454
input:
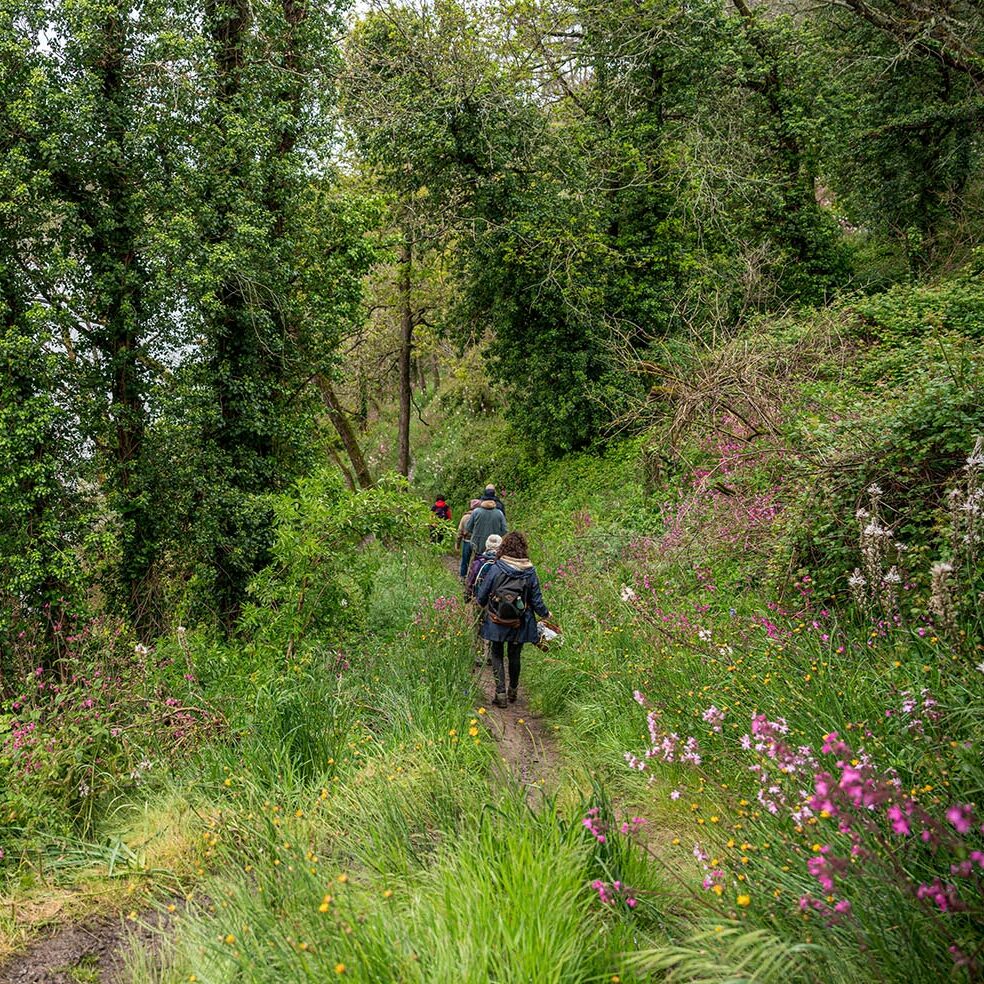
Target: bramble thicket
column 699, row 288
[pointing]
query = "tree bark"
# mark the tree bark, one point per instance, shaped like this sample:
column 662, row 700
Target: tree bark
column 343, row 426
column 346, row 474
column 106, row 196
column 406, row 352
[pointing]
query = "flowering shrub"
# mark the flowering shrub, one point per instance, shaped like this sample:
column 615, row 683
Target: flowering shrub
column 730, row 501
column 441, row 618
column 867, row 841
column 98, row 725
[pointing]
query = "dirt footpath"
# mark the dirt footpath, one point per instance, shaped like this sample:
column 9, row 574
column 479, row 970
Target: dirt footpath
column 92, row 952
column 527, row 750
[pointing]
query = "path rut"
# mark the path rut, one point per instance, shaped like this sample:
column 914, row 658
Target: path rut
column 92, row 951
column 527, row 751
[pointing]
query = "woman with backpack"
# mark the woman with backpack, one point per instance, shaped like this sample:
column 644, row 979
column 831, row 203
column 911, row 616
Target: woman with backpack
column 510, row 594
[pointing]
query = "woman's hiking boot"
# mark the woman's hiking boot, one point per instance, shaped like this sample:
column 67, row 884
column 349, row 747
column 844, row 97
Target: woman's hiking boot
column 512, row 695
column 500, row 699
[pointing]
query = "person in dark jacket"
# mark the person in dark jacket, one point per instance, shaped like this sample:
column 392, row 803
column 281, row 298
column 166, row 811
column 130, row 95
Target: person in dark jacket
column 490, row 493
column 485, row 521
column 512, row 564
column 477, row 572
column 488, row 556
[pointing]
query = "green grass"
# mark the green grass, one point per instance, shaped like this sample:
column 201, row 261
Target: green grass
column 342, row 821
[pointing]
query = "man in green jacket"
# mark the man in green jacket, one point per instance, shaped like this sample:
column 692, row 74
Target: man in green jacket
column 485, row 520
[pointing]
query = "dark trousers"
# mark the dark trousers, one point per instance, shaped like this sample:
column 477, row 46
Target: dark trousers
column 498, row 670
column 466, row 552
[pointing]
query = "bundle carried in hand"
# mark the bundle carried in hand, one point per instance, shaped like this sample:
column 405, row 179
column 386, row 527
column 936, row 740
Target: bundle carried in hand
column 549, row 635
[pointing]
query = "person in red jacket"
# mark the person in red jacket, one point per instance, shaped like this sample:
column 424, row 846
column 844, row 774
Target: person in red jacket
column 441, row 511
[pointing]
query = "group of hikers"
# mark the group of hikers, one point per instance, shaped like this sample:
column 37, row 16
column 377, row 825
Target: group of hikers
column 502, row 582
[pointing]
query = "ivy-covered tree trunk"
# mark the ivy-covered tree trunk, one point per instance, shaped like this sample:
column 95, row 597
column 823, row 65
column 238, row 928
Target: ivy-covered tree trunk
column 107, row 193
column 406, row 352
column 241, row 349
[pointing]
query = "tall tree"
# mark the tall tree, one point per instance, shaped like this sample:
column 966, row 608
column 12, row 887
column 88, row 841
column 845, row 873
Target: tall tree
column 95, row 263
column 905, row 116
column 440, row 126
column 269, row 320
column 37, row 567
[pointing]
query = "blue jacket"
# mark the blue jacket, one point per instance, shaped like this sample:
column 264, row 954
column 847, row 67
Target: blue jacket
column 526, row 632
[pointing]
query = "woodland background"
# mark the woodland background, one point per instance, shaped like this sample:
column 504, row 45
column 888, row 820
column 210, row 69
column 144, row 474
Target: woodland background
column 701, row 288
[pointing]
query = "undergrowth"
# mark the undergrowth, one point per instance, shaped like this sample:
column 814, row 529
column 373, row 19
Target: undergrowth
column 767, row 703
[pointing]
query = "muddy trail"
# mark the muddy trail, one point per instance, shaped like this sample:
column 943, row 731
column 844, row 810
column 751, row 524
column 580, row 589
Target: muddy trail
column 527, row 752
column 526, row 749
column 92, row 951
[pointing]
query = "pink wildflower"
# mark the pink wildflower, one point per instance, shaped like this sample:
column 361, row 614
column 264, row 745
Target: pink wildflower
column 961, row 815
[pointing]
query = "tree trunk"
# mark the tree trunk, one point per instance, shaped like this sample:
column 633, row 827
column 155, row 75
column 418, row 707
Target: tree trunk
column 108, row 206
column 363, row 403
column 346, row 474
column 343, row 426
column 239, row 368
column 406, row 352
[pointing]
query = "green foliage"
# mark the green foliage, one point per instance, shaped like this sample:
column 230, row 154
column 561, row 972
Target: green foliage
column 908, row 418
column 317, row 584
column 728, row 954
column 901, row 143
column 39, row 523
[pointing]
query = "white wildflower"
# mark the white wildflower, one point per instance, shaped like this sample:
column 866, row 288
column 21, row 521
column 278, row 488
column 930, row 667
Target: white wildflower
column 941, row 598
column 627, row 594
column 976, row 459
